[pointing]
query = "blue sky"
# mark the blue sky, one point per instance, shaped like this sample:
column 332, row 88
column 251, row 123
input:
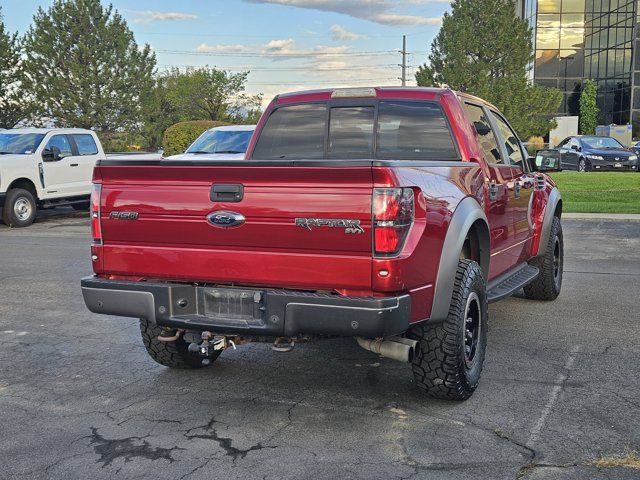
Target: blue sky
column 286, row 44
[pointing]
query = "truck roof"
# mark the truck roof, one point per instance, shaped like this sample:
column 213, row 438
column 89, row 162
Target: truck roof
column 47, row 130
column 381, row 92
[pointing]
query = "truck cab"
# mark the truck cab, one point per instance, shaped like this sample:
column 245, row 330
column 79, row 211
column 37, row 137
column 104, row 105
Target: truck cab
column 43, row 167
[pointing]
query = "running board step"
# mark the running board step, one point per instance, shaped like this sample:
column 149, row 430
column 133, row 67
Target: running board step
column 512, row 282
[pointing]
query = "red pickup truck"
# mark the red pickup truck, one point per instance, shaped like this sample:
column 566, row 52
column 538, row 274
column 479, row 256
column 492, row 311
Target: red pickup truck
column 392, row 215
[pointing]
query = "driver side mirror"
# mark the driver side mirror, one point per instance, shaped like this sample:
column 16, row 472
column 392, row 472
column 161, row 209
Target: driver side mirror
column 575, row 147
column 545, row 161
column 52, row 154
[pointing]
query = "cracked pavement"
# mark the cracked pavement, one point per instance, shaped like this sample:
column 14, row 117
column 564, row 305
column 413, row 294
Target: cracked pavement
column 80, row 397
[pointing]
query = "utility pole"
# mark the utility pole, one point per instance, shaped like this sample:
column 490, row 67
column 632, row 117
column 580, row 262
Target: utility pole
column 404, row 61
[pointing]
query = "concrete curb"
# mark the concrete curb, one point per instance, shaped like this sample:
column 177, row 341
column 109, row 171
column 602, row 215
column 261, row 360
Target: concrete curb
column 602, row 216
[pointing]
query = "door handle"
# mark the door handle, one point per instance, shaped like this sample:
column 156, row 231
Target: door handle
column 73, row 165
column 227, row 192
column 493, row 191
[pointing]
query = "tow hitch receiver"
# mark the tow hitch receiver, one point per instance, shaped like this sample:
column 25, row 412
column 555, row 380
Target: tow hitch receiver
column 210, row 343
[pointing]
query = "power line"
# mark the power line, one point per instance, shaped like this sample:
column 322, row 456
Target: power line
column 279, row 55
column 386, row 66
column 236, row 35
column 327, row 82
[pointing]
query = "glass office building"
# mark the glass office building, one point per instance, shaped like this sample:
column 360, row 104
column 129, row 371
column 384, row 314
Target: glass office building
column 577, row 40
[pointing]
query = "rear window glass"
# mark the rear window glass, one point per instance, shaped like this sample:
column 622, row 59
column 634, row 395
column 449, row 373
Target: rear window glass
column 413, row 131
column 297, row 131
column 406, row 130
column 351, row 132
column 86, row 144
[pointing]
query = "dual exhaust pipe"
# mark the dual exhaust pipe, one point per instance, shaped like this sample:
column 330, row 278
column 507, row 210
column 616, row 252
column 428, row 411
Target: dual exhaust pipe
column 396, row 348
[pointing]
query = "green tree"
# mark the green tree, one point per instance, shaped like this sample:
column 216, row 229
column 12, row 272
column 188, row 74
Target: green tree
column 589, row 108
column 483, row 49
column 13, row 102
column 207, row 93
column 85, row 69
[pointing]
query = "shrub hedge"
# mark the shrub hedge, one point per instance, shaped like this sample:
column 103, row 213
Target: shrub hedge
column 180, row 135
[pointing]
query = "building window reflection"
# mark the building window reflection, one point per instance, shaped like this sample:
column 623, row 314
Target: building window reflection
column 577, row 40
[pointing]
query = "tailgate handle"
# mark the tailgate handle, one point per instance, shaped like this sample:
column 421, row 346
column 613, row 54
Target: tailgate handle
column 227, row 192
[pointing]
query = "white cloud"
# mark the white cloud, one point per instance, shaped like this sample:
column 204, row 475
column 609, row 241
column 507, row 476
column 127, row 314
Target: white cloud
column 284, row 49
column 206, row 48
column 282, row 46
column 377, row 11
column 395, row 19
column 149, row 16
column 338, row 32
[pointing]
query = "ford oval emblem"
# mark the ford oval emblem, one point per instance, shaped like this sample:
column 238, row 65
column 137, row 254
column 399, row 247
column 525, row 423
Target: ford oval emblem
column 225, row 219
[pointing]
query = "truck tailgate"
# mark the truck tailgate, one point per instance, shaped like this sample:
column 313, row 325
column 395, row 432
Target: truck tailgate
column 172, row 238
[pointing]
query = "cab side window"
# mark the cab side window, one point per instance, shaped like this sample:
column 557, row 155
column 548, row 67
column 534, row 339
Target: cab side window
column 486, row 136
column 86, row 144
column 62, row 142
column 510, row 139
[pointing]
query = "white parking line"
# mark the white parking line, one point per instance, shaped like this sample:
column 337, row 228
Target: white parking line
column 534, row 434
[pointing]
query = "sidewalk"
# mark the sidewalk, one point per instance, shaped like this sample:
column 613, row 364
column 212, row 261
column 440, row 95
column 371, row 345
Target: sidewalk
column 601, row 216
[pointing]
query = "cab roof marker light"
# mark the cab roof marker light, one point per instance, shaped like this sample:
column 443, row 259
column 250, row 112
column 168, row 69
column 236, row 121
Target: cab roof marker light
column 353, row 92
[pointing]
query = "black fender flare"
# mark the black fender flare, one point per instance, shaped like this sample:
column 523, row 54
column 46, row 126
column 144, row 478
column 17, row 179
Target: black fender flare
column 549, row 212
column 468, row 212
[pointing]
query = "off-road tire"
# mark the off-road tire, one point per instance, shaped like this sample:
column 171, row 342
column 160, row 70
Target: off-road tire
column 440, row 364
column 170, row 354
column 14, row 196
column 549, row 281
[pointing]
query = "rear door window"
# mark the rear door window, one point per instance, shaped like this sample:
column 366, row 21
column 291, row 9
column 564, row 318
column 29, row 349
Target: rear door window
column 413, row 131
column 86, row 144
column 296, row 131
column 351, row 132
column 486, row 136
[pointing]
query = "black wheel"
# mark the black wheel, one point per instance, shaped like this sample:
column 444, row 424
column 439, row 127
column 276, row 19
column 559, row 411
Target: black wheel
column 19, row 208
column 549, row 282
column 450, row 355
column 582, row 165
column 170, row 354
column 81, row 207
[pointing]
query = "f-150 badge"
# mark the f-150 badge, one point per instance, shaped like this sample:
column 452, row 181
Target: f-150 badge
column 350, row 226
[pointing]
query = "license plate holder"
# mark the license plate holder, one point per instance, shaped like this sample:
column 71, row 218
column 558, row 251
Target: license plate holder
column 617, row 165
column 232, row 304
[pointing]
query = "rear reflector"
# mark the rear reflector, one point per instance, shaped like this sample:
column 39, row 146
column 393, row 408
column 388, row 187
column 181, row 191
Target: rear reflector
column 353, row 93
column 393, row 212
column 96, row 229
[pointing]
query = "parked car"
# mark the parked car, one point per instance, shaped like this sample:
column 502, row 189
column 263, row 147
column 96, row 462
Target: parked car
column 635, row 148
column 392, row 215
column 228, row 142
column 586, row 153
column 48, row 167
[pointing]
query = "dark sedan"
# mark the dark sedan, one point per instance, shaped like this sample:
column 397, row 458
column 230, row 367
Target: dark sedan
column 590, row 153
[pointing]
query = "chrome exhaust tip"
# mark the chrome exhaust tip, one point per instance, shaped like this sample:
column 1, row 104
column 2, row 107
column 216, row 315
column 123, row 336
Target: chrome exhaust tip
column 396, row 348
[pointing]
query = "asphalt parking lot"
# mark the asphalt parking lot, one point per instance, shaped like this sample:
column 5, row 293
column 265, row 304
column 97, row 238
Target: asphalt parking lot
column 80, row 398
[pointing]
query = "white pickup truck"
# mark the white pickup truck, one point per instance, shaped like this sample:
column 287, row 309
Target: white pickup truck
column 44, row 168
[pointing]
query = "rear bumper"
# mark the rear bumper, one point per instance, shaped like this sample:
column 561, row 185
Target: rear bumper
column 264, row 312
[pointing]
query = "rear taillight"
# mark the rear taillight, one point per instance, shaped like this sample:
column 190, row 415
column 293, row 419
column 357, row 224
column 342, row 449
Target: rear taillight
column 96, row 230
column 393, row 212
